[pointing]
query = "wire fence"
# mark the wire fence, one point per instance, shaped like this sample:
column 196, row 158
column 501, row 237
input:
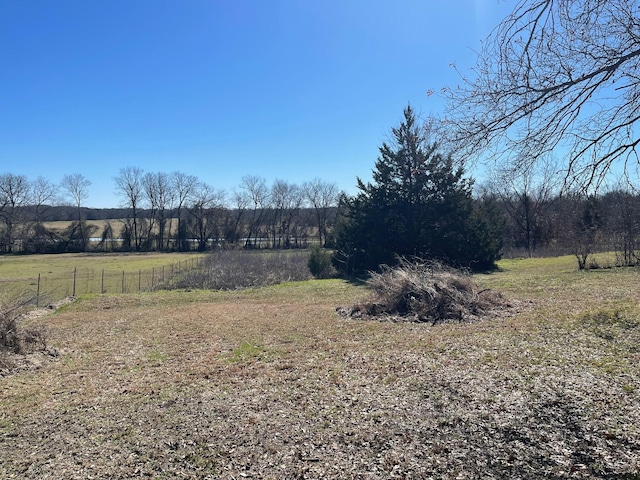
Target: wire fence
column 50, row 288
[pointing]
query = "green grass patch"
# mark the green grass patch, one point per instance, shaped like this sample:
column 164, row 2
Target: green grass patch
column 157, row 356
column 21, row 268
column 62, row 275
column 248, row 352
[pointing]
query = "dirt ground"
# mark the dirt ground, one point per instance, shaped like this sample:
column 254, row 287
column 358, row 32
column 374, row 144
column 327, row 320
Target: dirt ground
column 272, row 383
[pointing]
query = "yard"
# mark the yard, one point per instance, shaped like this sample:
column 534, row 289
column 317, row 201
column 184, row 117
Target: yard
column 271, row 383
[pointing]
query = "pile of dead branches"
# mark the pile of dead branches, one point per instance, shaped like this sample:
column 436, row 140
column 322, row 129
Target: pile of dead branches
column 425, row 291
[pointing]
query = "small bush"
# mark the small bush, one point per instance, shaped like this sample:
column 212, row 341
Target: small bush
column 426, row 292
column 319, row 263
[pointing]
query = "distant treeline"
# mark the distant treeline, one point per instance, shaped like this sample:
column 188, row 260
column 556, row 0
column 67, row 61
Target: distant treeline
column 178, row 213
column 539, row 222
column 164, row 212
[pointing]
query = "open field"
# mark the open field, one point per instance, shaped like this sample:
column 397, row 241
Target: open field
column 116, row 224
column 15, row 268
column 95, row 272
column 270, row 383
column 99, row 225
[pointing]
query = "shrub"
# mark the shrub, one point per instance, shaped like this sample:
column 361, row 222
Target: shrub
column 319, row 263
column 426, row 291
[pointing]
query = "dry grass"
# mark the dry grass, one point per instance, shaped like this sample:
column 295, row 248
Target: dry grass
column 18, row 336
column 236, row 269
column 271, row 383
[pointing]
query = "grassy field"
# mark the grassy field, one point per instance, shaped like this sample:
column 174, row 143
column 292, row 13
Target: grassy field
column 15, row 268
column 99, row 225
column 271, row 383
column 19, row 273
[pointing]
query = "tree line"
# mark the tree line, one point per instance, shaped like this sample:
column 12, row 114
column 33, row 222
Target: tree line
column 541, row 221
column 164, row 212
column 523, row 215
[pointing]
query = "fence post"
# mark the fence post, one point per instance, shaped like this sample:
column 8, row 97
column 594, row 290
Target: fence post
column 122, row 281
column 102, row 282
column 38, row 293
column 139, row 279
column 153, row 274
column 75, row 269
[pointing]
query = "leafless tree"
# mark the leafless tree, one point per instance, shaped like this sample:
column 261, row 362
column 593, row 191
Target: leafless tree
column 15, row 194
column 205, row 210
column 527, row 198
column 160, row 197
column 241, row 202
column 286, row 200
column 555, row 75
column 258, row 193
column 322, row 196
column 183, row 188
column 622, row 214
column 43, row 196
column 76, row 187
column 152, row 201
column 38, row 238
column 129, row 186
column 582, row 226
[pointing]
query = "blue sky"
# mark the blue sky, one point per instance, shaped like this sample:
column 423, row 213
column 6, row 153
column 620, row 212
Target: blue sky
column 283, row 89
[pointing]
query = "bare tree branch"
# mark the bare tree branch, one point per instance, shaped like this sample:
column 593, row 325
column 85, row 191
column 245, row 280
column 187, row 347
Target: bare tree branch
column 557, row 76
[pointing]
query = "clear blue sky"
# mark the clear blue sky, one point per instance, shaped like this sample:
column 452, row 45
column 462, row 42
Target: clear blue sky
column 288, row 89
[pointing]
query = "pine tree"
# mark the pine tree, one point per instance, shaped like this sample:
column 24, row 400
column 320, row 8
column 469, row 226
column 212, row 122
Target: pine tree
column 419, row 204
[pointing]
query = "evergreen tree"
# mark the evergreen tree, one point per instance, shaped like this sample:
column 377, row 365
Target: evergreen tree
column 418, row 204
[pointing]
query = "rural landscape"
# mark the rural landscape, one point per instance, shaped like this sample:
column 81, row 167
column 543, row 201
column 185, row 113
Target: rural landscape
column 424, row 326
column 272, row 382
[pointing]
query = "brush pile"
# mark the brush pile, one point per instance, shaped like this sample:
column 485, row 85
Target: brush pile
column 425, row 291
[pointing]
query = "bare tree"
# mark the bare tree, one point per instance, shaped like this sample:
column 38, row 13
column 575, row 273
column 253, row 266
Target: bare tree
column 43, row 196
column 15, row 194
column 38, row 238
column 184, row 186
column 152, row 200
column 286, row 200
column 165, row 200
column 129, row 186
column 322, row 196
column 527, row 198
column 205, row 210
column 258, row 193
column 241, row 201
column 76, row 188
column 622, row 214
column 159, row 196
column 555, row 75
column 583, row 227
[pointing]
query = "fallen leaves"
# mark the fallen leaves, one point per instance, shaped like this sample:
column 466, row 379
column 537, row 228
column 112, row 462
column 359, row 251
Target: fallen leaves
column 271, row 386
